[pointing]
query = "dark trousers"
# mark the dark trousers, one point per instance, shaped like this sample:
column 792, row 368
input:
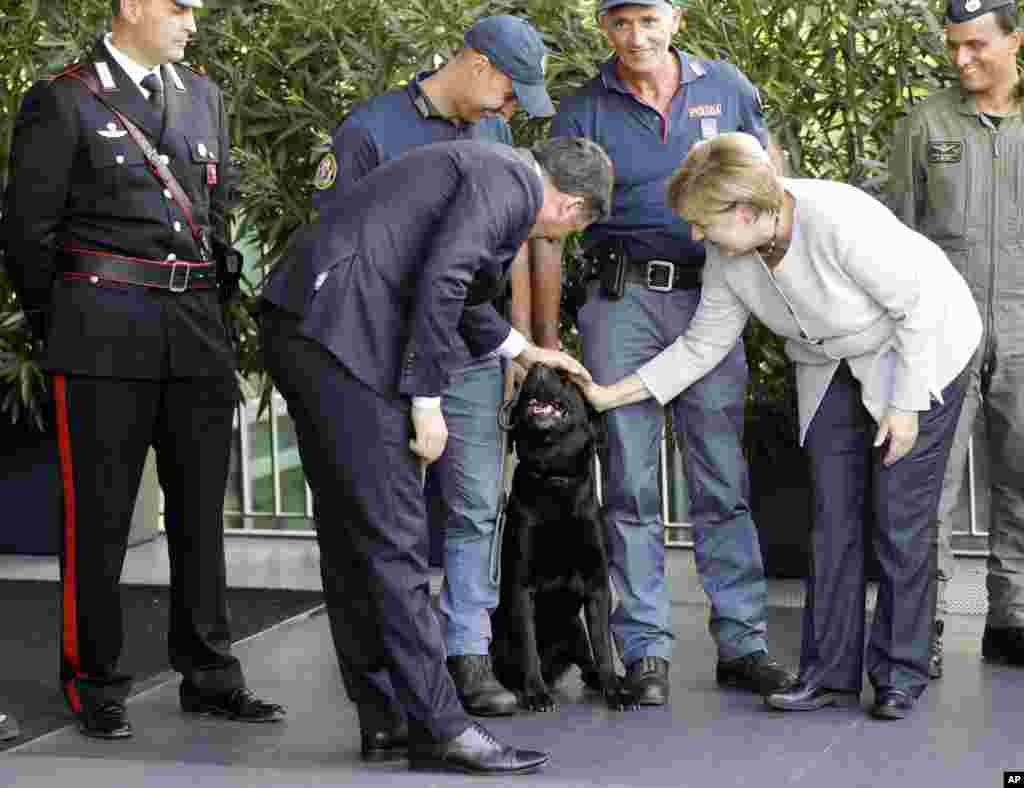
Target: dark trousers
column 372, row 529
column 845, row 471
column 105, row 427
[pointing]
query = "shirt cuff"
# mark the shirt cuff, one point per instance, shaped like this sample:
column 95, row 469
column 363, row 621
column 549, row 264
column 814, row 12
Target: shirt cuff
column 427, row 402
column 514, row 344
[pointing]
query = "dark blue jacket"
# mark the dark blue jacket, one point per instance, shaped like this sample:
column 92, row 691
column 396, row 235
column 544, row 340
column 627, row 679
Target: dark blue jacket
column 79, row 180
column 385, row 277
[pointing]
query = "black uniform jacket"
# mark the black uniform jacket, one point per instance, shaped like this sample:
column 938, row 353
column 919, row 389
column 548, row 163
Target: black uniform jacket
column 389, row 277
column 80, row 181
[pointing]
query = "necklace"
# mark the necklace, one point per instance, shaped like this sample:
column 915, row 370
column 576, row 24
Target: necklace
column 775, row 237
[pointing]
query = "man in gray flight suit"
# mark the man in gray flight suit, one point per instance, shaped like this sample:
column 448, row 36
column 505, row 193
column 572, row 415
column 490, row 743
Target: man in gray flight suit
column 957, row 175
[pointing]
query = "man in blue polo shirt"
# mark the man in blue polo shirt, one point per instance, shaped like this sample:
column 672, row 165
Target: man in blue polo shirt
column 648, row 105
column 500, row 67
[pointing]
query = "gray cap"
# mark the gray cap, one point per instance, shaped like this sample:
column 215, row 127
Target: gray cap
column 189, row 3
column 959, row 11
column 607, row 5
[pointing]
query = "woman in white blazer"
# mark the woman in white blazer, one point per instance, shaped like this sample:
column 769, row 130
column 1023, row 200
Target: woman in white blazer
column 880, row 328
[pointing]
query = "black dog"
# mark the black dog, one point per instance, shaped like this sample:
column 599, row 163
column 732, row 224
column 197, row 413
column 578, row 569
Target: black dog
column 553, row 557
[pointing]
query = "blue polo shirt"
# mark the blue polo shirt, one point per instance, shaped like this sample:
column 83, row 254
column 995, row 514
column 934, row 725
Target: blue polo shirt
column 646, row 148
column 384, row 127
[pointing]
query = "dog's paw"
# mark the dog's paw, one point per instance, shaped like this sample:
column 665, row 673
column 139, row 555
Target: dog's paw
column 619, row 698
column 536, row 697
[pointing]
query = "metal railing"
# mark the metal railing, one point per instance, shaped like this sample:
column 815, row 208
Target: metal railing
column 268, row 495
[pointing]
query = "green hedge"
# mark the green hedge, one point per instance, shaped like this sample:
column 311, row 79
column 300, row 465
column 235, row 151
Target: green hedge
column 834, row 76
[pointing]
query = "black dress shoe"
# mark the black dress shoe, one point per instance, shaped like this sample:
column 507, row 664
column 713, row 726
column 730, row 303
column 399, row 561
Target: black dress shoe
column 482, row 695
column 8, row 727
column 808, row 697
column 1003, row 644
column 755, row 672
column 476, row 751
column 384, row 744
column 106, row 721
column 935, row 656
column 891, row 704
column 647, row 681
column 238, row 704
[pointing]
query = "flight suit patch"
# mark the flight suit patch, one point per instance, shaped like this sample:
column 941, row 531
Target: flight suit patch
column 945, row 152
column 326, row 172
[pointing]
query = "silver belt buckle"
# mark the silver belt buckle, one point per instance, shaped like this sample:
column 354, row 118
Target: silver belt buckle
column 654, row 265
column 175, row 267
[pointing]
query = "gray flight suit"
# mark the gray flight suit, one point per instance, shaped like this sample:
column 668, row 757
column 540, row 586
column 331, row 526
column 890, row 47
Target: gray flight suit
column 959, row 179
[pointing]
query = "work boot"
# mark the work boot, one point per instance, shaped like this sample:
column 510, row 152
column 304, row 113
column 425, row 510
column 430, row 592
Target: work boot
column 480, row 692
column 1003, row 644
column 647, row 681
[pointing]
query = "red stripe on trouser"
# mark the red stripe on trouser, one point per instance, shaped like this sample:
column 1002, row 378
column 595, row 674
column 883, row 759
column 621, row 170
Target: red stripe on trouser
column 69, row 640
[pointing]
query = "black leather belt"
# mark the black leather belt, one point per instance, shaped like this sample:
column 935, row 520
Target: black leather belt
column 663, row 275
column 174, row 275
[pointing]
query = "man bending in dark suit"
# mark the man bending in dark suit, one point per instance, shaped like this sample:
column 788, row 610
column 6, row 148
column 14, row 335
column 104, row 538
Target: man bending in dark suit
column 359, row 325
column 115, row 271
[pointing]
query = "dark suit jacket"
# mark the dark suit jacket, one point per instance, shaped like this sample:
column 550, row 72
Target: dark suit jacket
column 78, row 181
column 384, row 280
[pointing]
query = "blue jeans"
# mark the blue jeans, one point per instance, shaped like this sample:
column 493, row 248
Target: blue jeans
column 618, row 338
column 462, row 492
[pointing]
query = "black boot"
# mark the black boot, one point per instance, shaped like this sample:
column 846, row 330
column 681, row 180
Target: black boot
column 1003, row 644
column 480, row 692
column 647, row 681
column 935, row 658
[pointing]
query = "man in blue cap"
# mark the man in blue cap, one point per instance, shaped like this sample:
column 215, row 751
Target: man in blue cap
column 500, row 67
column 115, row 270
column 956, row 177
column 648, row 105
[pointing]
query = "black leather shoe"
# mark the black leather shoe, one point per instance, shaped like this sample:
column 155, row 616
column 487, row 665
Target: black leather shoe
column 647, row 681
column 808, row 697
column 1003, row 644
column 935, row 656
column 106, row 721
column 384, row 744
column 8, row 727
column 755, row 672
column 238, row 704
column 482, row 695
column 476, row 751
column 891, row 704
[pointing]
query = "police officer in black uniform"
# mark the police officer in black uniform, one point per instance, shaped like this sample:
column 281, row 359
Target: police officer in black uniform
column 115, row 270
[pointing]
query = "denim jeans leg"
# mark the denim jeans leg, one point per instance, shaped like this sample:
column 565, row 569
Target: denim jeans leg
column 466, row 478
column 708, row 419
column 618, row 337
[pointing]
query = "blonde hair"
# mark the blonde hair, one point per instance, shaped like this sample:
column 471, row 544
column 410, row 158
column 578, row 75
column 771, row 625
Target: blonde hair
column 722, row 172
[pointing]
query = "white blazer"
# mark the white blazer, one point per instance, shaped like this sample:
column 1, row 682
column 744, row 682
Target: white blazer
column 855, row 284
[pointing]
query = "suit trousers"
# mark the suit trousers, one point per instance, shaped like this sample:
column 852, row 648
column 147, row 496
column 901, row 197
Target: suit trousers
column 105, row 427
column 372, row 530
column 849, row 479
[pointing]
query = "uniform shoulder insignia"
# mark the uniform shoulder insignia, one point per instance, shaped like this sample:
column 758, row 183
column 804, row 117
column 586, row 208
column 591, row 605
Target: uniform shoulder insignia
column 326, row 172
column 68, row 70
column 195, row 68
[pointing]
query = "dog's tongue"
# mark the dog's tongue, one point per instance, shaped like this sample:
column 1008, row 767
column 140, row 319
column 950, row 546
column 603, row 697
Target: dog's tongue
column 541, row 408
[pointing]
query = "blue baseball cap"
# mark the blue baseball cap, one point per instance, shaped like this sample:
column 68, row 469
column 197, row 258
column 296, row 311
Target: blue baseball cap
column 959, row 11
column 517, row 50
column 607, row 5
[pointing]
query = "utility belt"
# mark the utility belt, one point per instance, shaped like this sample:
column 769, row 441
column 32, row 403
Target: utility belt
column 171, row 274
column 609, row 263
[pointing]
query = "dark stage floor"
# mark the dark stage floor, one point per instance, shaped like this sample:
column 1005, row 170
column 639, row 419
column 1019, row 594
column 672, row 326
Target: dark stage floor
column 965, row 732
